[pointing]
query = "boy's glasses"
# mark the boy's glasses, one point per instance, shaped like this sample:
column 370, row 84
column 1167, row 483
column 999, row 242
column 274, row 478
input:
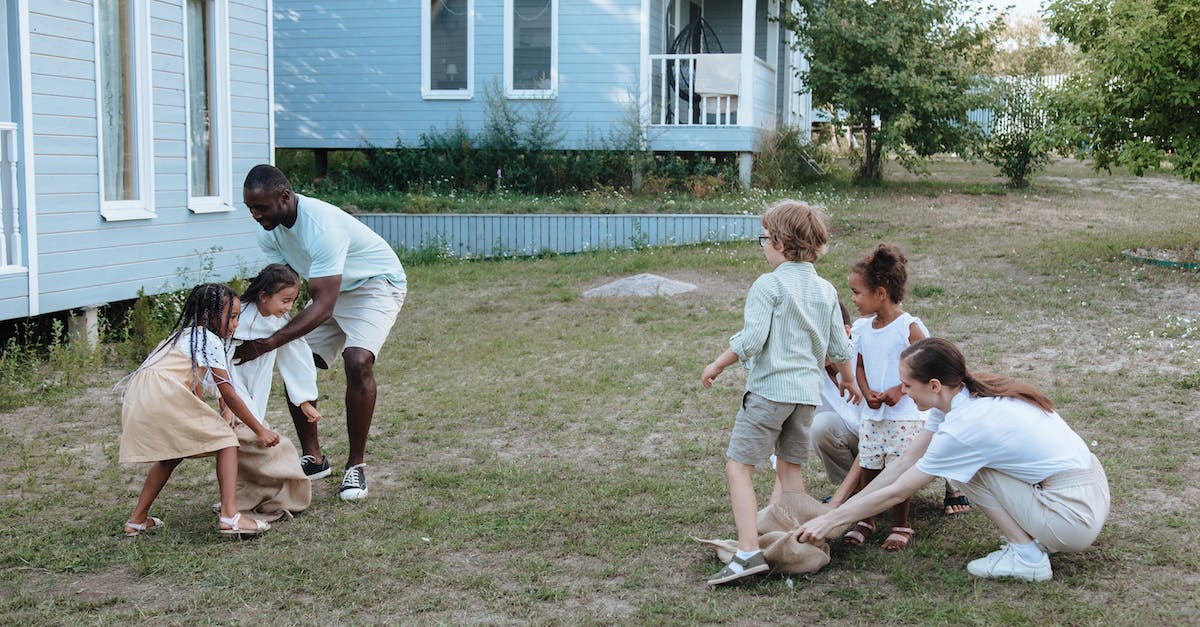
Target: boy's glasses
column 763, row 239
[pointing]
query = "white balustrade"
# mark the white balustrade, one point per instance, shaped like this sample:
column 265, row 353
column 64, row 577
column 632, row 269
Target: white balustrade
column 11, row 249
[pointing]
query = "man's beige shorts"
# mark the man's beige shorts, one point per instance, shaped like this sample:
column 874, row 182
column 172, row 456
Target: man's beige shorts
column 362, row 318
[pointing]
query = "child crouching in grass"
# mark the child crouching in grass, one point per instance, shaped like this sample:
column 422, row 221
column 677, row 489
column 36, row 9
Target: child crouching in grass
column 792, row 324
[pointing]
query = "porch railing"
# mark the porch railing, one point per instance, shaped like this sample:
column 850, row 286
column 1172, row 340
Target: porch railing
column 676, row 101
column 11, row 251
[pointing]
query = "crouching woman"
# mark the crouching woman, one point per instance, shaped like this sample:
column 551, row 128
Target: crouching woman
column 1010, row 452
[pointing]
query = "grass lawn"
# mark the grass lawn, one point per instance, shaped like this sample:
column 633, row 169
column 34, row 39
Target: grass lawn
column 538, row 457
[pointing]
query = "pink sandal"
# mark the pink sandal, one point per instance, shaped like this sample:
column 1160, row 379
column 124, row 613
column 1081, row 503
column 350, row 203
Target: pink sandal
column 854, row 537
column 900, row 536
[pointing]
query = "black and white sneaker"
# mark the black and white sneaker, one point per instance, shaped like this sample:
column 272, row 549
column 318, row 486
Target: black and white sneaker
column 354, row 483
column 314, row 469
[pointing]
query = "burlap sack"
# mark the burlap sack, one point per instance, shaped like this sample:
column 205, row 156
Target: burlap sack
column 777, row 526
column 271, row 485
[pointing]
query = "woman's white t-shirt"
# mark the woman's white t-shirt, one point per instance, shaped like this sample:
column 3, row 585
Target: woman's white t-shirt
column 880, row 350
column 1008, row 435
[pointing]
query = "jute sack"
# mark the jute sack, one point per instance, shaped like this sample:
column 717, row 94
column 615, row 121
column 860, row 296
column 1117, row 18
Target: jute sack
column 777, row 526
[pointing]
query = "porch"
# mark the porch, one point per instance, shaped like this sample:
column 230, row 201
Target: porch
column 719, row 75
column 716, row 63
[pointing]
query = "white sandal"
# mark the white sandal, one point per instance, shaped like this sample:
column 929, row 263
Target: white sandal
column 150, row 524
column 235, row 530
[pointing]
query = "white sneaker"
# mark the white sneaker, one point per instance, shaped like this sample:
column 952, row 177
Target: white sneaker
column 1007, row 563
column 354, row 483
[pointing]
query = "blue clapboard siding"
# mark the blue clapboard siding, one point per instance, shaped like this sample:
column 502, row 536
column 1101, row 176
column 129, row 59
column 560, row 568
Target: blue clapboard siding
column 481, row 236
column 83, row 259
column 348, row 74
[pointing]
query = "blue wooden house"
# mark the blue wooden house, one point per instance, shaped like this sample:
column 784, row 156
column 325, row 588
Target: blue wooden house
column 698, row 75
column 126, row 127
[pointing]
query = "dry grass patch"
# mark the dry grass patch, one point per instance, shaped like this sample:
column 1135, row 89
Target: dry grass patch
column 538, row 457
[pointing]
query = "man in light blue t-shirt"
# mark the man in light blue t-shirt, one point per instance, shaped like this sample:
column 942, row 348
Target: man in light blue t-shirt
column 357, row 287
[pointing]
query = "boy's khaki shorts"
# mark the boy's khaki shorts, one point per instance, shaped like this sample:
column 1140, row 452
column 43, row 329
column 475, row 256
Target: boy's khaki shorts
column 763, row 427
column 362, row 318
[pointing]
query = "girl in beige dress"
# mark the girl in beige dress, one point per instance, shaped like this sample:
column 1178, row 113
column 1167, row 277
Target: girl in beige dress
column 164, row 418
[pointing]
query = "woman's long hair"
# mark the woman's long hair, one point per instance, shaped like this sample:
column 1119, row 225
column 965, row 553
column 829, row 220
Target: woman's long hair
column 936, row 358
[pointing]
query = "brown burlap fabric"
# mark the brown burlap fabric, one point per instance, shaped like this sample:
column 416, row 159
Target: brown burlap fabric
column 271, row 485
column 777, row 526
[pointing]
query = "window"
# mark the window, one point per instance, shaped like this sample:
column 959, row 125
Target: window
column 123, row 109
column 206, row 69
column 531, row 48
column 447, row 48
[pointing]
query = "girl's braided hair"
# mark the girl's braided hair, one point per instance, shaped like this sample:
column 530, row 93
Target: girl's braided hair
column 271, row 279
column 208, row 307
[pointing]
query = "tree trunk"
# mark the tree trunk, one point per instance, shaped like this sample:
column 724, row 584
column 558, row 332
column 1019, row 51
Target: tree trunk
column 870, row 169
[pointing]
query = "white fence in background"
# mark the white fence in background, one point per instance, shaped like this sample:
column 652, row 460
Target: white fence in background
column 991, row 122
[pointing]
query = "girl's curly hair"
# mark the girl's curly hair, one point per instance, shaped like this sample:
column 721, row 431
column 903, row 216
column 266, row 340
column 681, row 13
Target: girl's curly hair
column 885, row 267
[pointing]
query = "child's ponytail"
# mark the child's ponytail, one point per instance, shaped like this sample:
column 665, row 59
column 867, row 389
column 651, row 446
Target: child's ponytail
column 936, row 358
column 271, row 279
column 885, row 267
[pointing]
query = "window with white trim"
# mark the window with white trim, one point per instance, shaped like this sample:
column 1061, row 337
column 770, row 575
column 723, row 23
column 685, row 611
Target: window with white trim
column 530, row 48
column 447, row 48
column 206, row 68
column 123, row 109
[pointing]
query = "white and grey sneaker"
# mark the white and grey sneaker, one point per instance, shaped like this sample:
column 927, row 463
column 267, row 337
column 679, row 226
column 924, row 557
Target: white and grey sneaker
column 354, row 483
column 1007, row 563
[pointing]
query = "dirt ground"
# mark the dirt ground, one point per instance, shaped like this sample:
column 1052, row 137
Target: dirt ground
column 1087, row 342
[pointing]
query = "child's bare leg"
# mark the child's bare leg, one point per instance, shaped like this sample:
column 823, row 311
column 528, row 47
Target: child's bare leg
column 791, row 477
column 745, row 504
column 901, row 529
column 865, row 527
column 227, row 466
column 155, row 480
column 227, row 480
column 868, row 475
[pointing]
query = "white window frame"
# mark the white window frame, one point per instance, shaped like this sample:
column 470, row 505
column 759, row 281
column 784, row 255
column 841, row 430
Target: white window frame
column 143, row 207
column 427, row 90
column 218, row 15
column 532, row 94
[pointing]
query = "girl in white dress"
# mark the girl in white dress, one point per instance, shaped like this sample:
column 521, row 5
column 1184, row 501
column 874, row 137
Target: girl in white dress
column 890, row 421
column 164, row 418
column 272, row 483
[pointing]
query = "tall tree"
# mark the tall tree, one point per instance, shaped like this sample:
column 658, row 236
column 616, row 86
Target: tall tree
column 1027, row 47
column 905, row 71
column 1137, row 101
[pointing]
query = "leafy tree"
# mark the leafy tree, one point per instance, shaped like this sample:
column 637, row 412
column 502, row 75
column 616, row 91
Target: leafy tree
column 905, row 71
column 1026, row 46
column 1137, row 101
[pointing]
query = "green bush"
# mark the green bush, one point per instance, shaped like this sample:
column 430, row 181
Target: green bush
column 789, row 161
column 1018, row 143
